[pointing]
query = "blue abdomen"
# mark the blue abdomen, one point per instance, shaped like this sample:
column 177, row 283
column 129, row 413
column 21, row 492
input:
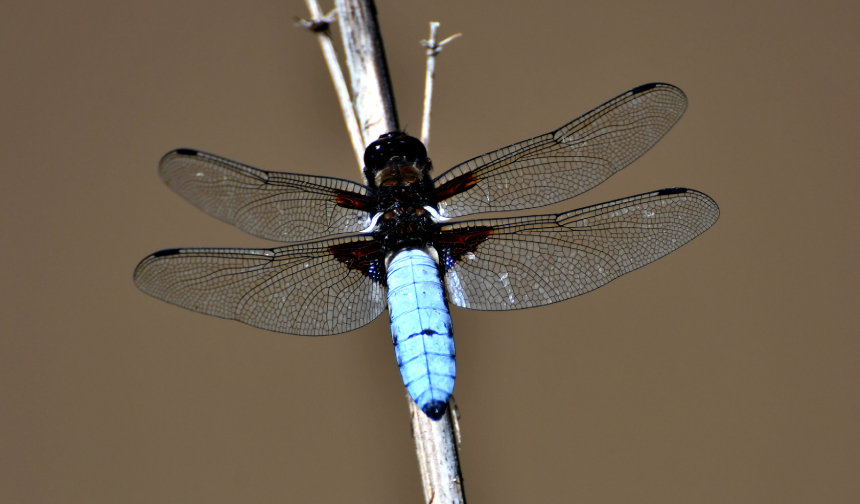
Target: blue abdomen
column 421, row 330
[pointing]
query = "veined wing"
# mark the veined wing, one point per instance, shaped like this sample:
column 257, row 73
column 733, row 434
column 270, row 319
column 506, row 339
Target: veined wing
column 309, row 289
column 506, row 264
column 277, row 206
column 566, row 162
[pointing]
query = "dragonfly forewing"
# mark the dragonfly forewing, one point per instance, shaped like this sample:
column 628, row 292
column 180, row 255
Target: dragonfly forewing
column 285, row 207
column 566, row 162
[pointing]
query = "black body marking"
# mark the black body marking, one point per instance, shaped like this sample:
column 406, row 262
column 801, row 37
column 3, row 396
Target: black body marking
column 644, row 87
column 167, row 252
column 672, row 190
column 435, row 409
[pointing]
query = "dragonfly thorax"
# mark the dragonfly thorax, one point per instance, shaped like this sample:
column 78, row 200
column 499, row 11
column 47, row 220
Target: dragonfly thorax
column 405, row 224
column 400, row 171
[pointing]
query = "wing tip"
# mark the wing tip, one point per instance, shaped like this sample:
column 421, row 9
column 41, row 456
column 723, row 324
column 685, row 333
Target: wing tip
column 184, row 151
column 142, row 265
column 706, row 200
column 664, row 87
column 165, row 159
column 669, row 191
column 653, row 85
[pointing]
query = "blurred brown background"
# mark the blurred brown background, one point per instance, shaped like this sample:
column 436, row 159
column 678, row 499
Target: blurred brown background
column 725, row 372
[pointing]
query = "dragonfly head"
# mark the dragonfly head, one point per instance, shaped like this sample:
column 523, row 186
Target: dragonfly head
column 397, row 160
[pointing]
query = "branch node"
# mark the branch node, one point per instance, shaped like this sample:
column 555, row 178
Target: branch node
column 433, row 47
column 317, row 24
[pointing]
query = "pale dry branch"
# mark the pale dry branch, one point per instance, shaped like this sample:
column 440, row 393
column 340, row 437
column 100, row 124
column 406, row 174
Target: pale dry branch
column 319, row 24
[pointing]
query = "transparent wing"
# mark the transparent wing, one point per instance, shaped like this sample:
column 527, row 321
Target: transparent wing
column 277, row 206
column 310, row 289
column 566, row 162
column 507, row 264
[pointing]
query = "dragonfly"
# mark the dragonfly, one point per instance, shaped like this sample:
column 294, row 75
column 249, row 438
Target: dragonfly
column 354, row 249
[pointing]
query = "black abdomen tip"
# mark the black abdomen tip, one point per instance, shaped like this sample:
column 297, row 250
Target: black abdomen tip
column 435, row 409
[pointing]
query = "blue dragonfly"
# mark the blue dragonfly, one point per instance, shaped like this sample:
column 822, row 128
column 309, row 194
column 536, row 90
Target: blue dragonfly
column 358, row 249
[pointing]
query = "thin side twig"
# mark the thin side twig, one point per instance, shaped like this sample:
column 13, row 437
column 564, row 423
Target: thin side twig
column 433, row 49
column 319, row 24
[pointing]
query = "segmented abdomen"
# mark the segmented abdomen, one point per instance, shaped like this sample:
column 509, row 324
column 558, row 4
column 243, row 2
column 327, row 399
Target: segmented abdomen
column 421, row 330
